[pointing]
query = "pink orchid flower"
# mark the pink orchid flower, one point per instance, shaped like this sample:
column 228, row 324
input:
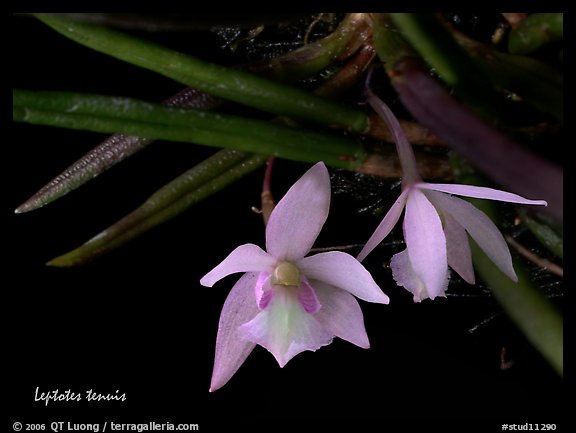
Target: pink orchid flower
column 436, row 223
column 286, row 302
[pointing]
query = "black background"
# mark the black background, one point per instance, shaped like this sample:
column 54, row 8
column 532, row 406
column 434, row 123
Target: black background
column 138, row 321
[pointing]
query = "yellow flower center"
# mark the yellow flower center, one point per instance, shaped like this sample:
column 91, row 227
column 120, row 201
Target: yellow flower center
column 286, row 274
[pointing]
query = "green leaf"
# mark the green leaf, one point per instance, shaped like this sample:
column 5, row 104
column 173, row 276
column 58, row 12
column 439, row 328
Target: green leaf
column 537, row 83
column 535, row 315
column 546, row 235
column 532, row 312
column 217, row 80
column 196, row 184
column 296, row 64
column 111, row 151
column 134, row 117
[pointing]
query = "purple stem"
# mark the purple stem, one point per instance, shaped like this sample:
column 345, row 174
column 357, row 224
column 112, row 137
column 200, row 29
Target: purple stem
column 503, row 160
column 267, row 200
column 267, row 181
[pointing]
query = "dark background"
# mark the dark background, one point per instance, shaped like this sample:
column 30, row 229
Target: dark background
column 138, row 321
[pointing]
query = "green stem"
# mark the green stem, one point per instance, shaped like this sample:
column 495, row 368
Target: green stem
column 217, row 80
column 134, row 117
column 316, row 56
column 435, row 45
column 198, row 183
column 390, row 45
column 536, row 31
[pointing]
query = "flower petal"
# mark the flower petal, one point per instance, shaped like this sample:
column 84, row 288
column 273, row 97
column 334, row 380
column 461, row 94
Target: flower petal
column 403, row 146
column 298, row 218
column 231, row 350
column 458, row 249
column 284, row 328
column 345, row 272
column 426, row 243
column 404, row 275
column 386, row 226
column 480, row 192
column 245, row 258
column 480, row 227
column 340, row 314
column 307, row 297
column 263, row 290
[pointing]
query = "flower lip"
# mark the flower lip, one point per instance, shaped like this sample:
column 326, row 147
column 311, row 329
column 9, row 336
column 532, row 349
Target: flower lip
column 286, row 274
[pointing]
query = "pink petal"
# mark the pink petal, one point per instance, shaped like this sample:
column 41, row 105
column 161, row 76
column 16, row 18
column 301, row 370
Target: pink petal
column 404, row 275
column 263, row 290
column 231, row 350
column 340, row 314
column 284, row 328
column 426, row 243
column 458, row 249
column 343, row 271
column 480, row 192
column 480, row 227
column 245, row 258
column 403, row 147
column 386, row 226
column 298, row 218
column 307, row 297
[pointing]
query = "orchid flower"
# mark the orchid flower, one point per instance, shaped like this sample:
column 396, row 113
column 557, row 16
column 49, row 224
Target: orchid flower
column 436, row 223
column 286, row 302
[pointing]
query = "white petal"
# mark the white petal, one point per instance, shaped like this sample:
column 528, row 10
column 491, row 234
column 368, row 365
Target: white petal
column 426, row 243
column 343, row 271
column 341, row 314
column 245, row 258
column 232, row 350
column 458, row 249
column 479, row 192
column 285, row 329
column 298, row 218
column 480, row 227
column 385, row 227
column 404, row 275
